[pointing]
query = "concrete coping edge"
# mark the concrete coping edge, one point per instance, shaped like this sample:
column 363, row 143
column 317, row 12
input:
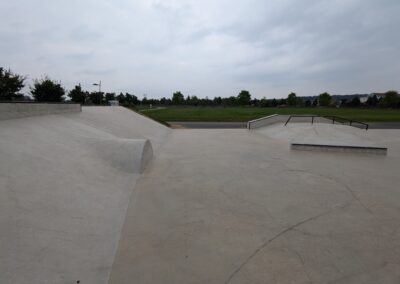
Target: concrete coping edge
column 260, row 119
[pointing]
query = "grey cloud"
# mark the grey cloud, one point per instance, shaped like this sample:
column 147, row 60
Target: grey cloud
column 206, row 47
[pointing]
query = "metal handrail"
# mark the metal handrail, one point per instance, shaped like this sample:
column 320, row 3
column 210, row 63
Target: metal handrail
column 332, row 117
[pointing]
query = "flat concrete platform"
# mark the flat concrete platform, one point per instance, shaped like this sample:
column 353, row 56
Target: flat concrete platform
column 238, row 206
column 212, row 205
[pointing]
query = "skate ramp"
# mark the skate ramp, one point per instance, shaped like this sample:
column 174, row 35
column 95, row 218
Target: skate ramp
column 65, row 184
column 123, row 123
column 128, row 155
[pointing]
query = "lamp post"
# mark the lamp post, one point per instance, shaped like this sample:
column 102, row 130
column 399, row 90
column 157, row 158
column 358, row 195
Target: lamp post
column 98, row 84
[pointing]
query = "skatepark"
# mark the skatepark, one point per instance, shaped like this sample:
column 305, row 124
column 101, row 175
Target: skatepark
column 106, row 195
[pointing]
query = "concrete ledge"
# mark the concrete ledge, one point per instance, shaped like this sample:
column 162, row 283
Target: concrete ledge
column 18, row 110
column 339, row 148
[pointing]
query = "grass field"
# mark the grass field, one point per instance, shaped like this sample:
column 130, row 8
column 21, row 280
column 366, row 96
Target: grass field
column 239, row 114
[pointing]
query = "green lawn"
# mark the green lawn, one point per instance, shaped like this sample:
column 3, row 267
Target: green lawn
column 248, row 113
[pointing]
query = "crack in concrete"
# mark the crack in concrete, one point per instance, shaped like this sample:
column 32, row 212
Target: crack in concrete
column 265, row 244
column 335, row 180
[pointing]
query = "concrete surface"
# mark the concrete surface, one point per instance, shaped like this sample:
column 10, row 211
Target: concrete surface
column 18, row 110
column 212, row 206
column 65, row 183
column 237, row 206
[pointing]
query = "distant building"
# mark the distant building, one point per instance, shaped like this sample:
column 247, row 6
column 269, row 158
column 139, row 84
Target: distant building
column 363, row 99
column 378, row 95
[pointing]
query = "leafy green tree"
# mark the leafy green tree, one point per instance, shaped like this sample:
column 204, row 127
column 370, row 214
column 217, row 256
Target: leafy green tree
column 96, row 98
column 131, row 99
column 264, row 102
column 391, row 99
column 355, row 101
column 282, row 102
column 144, row 100
column 292, row 99
column 315, row 103
column 217, row 100
column 177, row 98
column 77, row 95
column 10, row 85
column 324, row 99
column 372, row 100
column 121, row 99
column 300, row 101
column 194, row 100
column 244, row 98
column 110, row 97
column 274, row 102
column 47, row 90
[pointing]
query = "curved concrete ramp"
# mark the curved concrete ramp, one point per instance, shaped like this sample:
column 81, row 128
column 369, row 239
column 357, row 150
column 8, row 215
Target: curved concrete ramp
column 128, row 155
column 65, row 184
column 122, row 122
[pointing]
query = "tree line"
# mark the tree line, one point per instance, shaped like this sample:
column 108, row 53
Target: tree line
column 48, row 90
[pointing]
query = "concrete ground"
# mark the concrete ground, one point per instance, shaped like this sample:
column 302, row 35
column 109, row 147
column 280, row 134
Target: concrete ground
column 239, row 207
column 213, row 206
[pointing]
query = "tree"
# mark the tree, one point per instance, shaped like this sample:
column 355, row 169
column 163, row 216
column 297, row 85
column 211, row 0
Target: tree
column 77, row 95
column 315, row 103
column 355, row 101
column 282, row 102
column 217, row 100
column 324, row 99
column 292, row 99
column 47, row 90
column 96, row 97
column 177, row 98
column 110, row 97
column 121, row 99
column 274, row 103
column 391, row 99
column 372, row 100
column 10, row 85
column 244, row 98
column 131, row 99
column 194, row 101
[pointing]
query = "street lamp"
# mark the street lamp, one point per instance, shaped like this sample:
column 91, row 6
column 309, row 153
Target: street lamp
column 98, row 84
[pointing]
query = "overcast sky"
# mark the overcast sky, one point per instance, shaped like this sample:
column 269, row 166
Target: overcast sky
column 208, row 47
